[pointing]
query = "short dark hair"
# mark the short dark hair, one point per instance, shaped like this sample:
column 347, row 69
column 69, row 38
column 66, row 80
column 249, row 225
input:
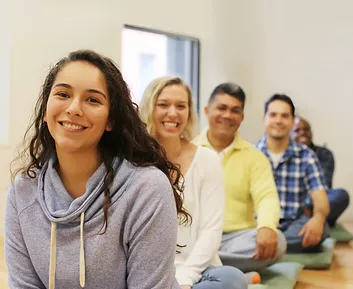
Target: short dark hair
column 229, row 88
column 281, row 97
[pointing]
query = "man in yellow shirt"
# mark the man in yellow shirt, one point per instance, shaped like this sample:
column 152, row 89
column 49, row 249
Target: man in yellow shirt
column 248, row 243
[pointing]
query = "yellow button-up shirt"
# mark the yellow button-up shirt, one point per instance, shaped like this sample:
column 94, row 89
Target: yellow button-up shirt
column 249, row 187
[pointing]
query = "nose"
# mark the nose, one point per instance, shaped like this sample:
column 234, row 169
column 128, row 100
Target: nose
column 227, row 114
column 74, row 107
column 172, row 111
column 278, row 118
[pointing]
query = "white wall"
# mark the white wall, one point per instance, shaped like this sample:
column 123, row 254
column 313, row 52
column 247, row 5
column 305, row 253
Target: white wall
column 303, row 48
column 43, row 31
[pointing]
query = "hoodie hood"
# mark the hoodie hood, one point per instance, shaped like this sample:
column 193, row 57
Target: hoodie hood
column 60, row 207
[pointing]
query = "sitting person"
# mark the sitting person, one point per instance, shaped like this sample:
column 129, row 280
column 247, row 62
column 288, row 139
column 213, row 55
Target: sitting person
column 339, row 198
column 297, row 174
column 95, row 202
column 167, row 109
column 247, row 243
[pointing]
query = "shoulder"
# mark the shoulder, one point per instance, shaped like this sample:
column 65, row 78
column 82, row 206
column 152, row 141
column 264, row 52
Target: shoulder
column 306, row 154
column 207, row 160
column 23, row 190
column 253, row 153
column 250, row 148
column 303, row 150
column 149, row 182
column 324, row 151
column 206, row 154
column 206, row 166
column 149, row 193
column 150, row 176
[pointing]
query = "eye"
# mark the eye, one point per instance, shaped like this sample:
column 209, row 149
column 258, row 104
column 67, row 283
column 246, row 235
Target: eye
column 181, row 106
column 62, row 94
column 162, row 104
column 236, row 111
column 93, row 100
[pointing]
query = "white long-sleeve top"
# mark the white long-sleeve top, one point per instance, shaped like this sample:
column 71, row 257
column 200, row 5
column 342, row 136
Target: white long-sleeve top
column 204, row 200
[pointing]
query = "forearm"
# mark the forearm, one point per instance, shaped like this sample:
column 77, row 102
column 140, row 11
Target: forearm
column 268, row 213
column 321, row 205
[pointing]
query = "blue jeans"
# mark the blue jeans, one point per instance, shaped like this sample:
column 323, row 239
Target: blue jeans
column 339, row 201
column 294, row 242
column 222, row 277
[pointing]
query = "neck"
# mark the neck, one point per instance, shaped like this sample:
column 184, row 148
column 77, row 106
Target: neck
column 75, row 169
column 172, row 147
column 277, row 145
column 219, row 142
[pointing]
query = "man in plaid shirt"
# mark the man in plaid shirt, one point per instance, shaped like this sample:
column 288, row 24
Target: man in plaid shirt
column 297, row 174
column 338, row 197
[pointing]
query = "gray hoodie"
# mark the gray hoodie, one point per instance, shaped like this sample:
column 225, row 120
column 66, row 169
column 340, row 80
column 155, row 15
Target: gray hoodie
column 51, row 238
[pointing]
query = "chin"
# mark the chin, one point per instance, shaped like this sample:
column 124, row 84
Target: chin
column 278, row 136
column 68, row 146
column 168, row 134
column 227, row 133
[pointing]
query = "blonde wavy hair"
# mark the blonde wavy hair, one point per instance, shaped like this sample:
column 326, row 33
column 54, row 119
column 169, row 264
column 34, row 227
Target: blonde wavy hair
column 148, row 102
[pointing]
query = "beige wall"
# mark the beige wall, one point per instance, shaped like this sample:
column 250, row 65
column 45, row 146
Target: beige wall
column 303, row 48
column 43, row 31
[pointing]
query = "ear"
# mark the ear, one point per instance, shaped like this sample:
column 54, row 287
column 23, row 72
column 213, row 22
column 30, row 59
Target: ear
column 206, row 110
column 109, row 126
column 45, row 117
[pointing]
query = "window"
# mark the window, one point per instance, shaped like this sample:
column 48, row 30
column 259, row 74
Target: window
column 147, row 54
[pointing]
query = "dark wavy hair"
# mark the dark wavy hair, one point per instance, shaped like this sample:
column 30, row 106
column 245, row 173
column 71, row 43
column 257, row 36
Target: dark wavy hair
column 128, row 138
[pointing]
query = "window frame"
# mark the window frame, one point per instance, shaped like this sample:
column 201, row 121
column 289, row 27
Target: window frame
column 195, row 83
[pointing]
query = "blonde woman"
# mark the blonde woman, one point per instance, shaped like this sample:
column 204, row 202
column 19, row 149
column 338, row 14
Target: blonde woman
column 167, row 109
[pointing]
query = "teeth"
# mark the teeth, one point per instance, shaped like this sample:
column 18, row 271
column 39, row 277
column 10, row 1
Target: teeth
column 72, row 126
column 170, row 124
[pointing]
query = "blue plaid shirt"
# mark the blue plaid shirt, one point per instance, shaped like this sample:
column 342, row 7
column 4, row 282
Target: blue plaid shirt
column 298, row 174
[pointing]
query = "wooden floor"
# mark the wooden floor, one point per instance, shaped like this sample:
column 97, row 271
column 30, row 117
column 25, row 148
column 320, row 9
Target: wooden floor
column 340, row 276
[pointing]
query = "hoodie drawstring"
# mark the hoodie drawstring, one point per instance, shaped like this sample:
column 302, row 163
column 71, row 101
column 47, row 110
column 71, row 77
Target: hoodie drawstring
column 52, row 264
column 82, row 254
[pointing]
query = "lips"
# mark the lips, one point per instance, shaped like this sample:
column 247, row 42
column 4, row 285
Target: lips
column 170, row 124
column 225, row 124
column 72, row 126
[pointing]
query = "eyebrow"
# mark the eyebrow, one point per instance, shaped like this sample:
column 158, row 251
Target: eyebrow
column 281, row 113
column 165, row 100
column 231, row 107
column 91, row 90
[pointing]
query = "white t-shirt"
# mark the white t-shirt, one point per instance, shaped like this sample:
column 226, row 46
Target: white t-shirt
column 275, row 158
column 204, row 200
